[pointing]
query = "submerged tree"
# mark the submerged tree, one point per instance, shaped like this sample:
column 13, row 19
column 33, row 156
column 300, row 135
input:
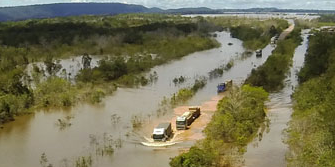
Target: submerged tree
column 86, row 60
column 52, row 67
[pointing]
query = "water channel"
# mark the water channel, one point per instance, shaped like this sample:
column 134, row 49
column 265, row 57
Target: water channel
column 271, row 150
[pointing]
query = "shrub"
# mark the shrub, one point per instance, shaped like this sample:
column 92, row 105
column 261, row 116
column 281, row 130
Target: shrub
column 195, row 157
column 55, row 92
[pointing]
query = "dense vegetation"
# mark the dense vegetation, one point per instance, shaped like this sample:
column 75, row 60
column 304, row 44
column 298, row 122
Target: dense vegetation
column 272, row 73
column 323, row 20
column 237, row 119
column 131, row 44
column 254, row 33
column 187, row 93
column 327, row 18
column 311, row 131
column 317, row 61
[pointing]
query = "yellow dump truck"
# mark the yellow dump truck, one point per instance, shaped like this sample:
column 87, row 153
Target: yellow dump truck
column 185, row 120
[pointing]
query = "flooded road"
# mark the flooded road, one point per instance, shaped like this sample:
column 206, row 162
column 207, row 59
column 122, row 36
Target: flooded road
column 271, row 150
column 23, row 141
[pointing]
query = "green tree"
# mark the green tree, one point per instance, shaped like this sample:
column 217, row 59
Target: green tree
column 195, row 157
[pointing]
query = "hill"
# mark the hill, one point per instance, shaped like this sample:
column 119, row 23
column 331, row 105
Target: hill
column 76, row 9
column 70, row 9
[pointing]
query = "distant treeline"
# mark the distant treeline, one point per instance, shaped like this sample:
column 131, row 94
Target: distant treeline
column 327, row 18
column 35, row 33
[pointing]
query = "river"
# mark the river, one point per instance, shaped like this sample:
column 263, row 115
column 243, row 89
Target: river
column 261, row 16
column 271, row 150
column 23, row 141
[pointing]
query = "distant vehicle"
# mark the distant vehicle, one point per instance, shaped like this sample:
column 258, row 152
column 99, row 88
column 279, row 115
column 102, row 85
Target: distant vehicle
column 162, row 132
column 223, row 86
column 187, row 118
column 259, row 53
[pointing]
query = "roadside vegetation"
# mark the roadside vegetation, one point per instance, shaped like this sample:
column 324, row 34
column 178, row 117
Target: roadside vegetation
column 131, row 45
column 326, row 20
column 236, row 121
column 101, row 145
column 311, row 131
column 181, row 97
column 219, row 71
column 272, row 73
column 254, row 33
column 185, row 94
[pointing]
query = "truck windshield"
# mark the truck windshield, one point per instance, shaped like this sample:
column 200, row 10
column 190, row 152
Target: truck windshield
column 158, row 136
column 180, row 122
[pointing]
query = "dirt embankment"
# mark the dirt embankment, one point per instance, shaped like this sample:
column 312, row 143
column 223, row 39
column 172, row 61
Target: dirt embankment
column 195, row 131
column 286, row 32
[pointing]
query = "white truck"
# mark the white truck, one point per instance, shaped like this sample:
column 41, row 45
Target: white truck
column 162, row 132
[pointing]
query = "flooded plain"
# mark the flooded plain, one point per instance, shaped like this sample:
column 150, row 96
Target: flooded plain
column 23, row 141
column 261, row 16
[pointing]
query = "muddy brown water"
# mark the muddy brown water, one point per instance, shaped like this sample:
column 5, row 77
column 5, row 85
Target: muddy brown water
column 23, row 141
column 271, row 150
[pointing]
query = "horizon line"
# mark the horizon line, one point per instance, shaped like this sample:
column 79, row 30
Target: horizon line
column 40, row 4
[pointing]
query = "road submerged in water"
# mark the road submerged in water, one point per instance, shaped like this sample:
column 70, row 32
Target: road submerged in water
column 270, row 150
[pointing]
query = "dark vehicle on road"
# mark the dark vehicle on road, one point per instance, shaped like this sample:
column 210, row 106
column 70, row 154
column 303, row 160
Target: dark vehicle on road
column 224, row 86
column 259, row 53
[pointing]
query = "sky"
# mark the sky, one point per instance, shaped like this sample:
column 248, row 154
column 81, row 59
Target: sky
column 214, row 4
